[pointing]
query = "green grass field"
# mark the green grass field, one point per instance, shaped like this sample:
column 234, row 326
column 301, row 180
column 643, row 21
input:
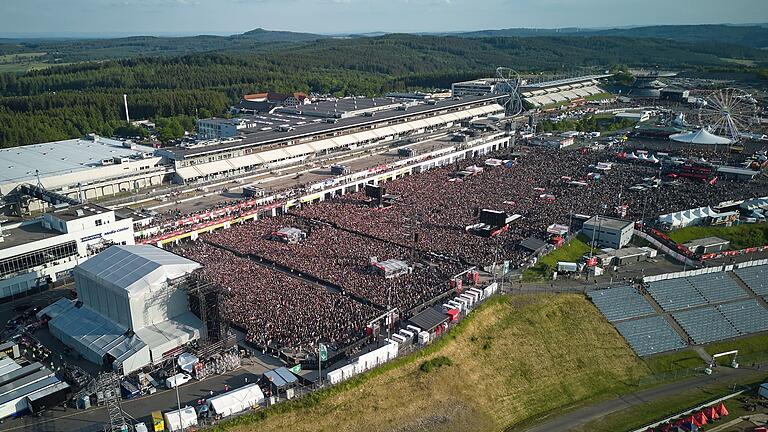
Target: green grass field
column 515, row 360
column 741, row 236
column 548, row 263
column 676, row 361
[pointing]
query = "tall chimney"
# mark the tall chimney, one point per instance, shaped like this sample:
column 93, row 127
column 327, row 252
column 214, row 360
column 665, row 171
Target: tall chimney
column 125, row 102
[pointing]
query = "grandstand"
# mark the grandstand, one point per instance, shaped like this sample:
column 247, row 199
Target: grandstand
column 561, row 90
column 756, row 278
column 746, row 316
column 708, row 308
column 621, row 303
column 537, row 94
column 650, row 335
column 705, row 325
column 674, row 294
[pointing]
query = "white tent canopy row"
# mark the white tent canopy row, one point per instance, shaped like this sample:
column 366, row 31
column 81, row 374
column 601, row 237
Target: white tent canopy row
column 755, row 204
column 643, row 157
column 278, row 154
column 701, row 136
column 687, row 217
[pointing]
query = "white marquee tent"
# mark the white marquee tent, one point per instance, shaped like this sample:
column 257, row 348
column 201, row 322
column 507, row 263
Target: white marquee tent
column 687, row 217
column 701, row 136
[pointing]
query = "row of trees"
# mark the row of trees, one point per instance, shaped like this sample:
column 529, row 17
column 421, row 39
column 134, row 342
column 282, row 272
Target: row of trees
column 69, row 101
column 586, row 124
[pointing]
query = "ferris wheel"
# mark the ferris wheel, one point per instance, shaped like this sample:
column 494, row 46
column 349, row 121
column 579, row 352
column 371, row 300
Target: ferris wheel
column 508, row 83
column 729, row 112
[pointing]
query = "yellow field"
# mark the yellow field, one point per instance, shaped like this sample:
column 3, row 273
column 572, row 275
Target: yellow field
column 517, row 359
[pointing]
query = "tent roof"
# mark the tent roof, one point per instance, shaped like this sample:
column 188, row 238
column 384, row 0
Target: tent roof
column 701, row 136
column 96, row 333
column 280, row 377
column 134, row 269
column 429, row 318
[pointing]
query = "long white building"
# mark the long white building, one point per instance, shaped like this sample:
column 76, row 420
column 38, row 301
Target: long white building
column 82, row 169
column 297, row 135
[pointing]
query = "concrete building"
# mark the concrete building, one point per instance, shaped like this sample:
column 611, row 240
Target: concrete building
column 708, row 245
column 133, row 312
column 83, row 169
column 638, row 116
column 34, row 253
column 214, row 127
column 478, row 87
column 608, row 232
column 29, row 388
column 293, row 135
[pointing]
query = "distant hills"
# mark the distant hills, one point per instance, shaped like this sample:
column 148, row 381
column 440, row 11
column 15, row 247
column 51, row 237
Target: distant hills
column 701, row 44
column 755, row 36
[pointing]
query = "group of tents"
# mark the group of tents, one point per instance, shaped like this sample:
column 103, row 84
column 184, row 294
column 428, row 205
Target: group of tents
column 692, row 422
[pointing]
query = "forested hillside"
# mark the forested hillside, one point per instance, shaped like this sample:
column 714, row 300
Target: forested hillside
column 755, row 36
column 68, row 101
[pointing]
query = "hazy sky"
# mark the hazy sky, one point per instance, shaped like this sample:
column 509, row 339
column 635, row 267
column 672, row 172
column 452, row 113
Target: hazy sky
column 67, row 17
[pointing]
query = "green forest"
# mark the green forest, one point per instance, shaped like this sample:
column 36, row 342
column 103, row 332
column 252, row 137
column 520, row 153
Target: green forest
column 71, row 100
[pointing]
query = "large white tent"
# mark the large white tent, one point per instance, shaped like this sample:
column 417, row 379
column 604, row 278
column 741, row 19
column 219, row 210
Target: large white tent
column 755, row 204
column 701, row 136
column 687, row 217
column 131, row 312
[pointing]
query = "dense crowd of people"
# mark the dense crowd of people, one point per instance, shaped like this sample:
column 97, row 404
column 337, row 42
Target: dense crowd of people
column 538, row 186
column 341, row 258
column 276, row 310
column 426, row 228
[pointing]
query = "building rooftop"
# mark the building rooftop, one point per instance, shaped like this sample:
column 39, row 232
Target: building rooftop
column 608, row 222
column 625, row 252
column 24, row 234
column 565, row 81
column 79, row 211
column 304, row 126
column 18, row 164
column 135, row 268
column 706, row 242
column 342, row 106
column 737, row 171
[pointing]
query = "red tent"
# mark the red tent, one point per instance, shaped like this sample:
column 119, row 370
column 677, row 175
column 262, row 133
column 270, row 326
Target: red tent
column 691, row 419
column 666, row 427
column 711, row 413
column 722, row 411
column 701, row 418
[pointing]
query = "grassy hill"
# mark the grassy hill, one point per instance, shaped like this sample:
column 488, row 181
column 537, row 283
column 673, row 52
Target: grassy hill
column 517, row 359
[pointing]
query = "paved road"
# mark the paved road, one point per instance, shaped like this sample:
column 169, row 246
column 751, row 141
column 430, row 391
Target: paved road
column 582, row 416
column 94, row 419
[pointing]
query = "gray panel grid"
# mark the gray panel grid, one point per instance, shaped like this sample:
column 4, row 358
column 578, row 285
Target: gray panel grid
column 673, row 294
column 717, row 287
column 756, row 278
column 747, row 316
column 705, row 325
column 619, row 303
column 650, row 335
